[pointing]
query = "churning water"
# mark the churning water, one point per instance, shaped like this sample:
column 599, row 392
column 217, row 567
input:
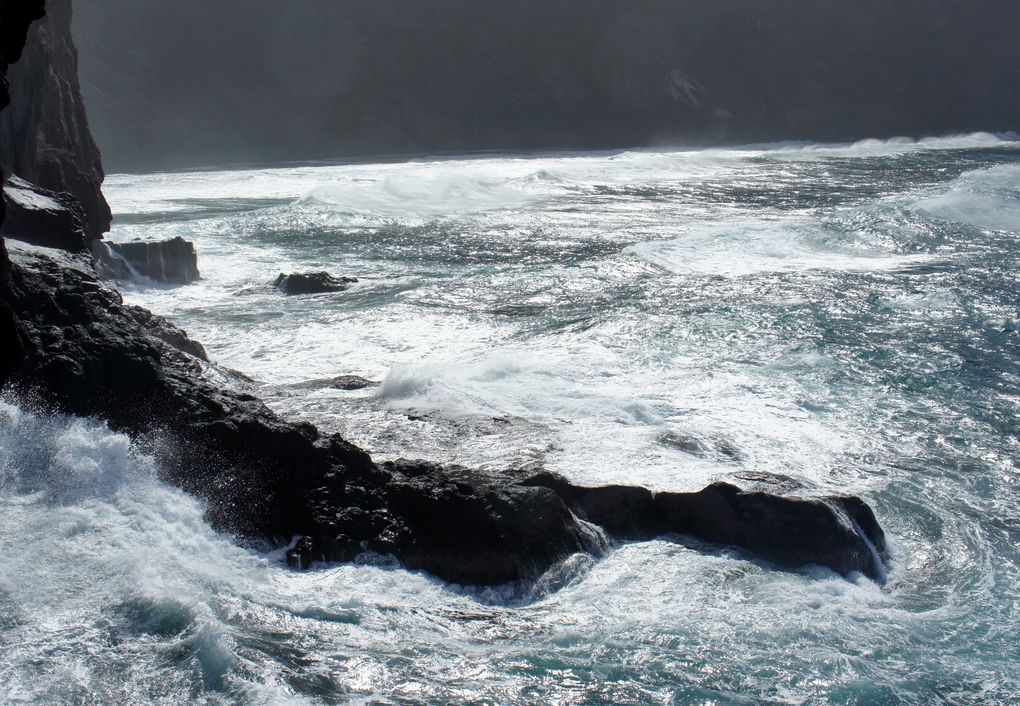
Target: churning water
column 846, row 316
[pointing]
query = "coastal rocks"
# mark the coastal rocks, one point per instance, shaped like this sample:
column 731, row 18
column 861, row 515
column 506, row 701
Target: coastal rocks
column 40, row 217
column 71, row 341
column 167, row 332
column 44, row 134
column 839, row 532
column 465, row 526
column 171, row 261
column 312, row 283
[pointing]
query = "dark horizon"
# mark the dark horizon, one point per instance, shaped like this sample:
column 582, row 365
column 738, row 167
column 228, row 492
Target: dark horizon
column 401, row 78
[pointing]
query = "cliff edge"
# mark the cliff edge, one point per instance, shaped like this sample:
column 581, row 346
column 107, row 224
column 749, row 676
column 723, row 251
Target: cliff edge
column 44, row 132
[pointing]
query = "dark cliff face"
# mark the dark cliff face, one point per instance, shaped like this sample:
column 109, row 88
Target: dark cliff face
column 44, row 133
column 188, row 82
column 15, row 18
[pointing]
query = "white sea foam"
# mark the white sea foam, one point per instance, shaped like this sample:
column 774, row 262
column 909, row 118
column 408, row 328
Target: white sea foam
column 124, row 594
column 786, row 245
column 839, row 314
column 424, row 195
column 986, row 198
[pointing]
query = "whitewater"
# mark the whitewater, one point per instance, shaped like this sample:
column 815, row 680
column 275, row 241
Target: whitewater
column 838, row 318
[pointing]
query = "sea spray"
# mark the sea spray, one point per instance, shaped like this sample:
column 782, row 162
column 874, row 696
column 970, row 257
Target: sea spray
column 837, row 318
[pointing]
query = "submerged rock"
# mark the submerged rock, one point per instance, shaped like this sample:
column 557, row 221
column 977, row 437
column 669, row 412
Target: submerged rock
column 171, row 261
column 351, row 382
column 312, row 283
column 42, row 217
column 73, row 342
column 348, row 383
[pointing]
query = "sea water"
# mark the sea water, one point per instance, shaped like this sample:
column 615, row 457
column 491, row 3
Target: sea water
column 846, row 317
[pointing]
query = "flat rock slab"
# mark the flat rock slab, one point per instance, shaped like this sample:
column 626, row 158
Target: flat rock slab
column 172, row 261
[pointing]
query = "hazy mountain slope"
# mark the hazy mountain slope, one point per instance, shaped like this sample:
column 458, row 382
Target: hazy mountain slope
column 193, row 82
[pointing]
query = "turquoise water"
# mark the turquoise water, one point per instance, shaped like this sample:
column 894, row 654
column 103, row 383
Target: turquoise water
column 846, row 316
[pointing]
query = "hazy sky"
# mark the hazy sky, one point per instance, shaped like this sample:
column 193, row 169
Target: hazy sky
column 188, row 81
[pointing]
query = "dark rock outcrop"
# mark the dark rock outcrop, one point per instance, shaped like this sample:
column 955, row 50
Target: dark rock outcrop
column 789, row 531
column 173, row 261
column 312, row 283
column 15, row 19
column 41, row 217
column 44, row 134
column 70, row 339
column 168, row 333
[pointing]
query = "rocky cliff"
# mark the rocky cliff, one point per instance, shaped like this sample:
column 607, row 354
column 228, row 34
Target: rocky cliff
column 15, row 18
column 44, row 133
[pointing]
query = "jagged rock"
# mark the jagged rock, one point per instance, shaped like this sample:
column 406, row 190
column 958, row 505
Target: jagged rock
column 44, row 134
column 41, row 217
column 312, row 283
column 172, row 261
column 71, row 339
column 167, row 332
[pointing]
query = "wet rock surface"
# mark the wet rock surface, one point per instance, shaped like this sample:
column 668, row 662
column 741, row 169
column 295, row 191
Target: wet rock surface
column 70, row 339
column 312, row 283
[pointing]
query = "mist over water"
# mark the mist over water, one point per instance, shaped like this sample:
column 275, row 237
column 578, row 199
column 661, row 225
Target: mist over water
column 845, row 316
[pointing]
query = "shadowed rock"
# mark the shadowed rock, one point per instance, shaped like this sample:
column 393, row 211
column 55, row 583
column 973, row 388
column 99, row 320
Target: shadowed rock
column 839, row 532
column 15, row 19
column 41, row 217
column 44, row 134
column 312, row 283
column 71, row 340
column 171, row 261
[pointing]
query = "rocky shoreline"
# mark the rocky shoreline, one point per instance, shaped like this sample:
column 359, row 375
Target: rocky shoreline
column 79, row 348
column 68, row 340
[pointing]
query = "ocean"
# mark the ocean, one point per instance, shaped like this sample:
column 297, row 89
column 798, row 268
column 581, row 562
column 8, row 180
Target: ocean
column 843, row 317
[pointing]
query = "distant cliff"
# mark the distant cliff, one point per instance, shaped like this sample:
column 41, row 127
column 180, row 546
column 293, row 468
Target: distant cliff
column 190, row 82
column 44, row 134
